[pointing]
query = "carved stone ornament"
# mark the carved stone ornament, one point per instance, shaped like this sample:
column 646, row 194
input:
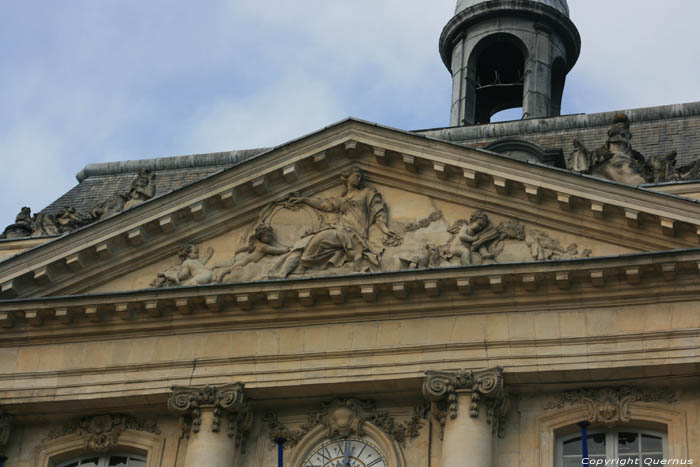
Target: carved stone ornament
column 69, row 219
column 473, row 241
column 192, row 269
column 616, row 160
column 101, row 432
column 229, row 400
column 485, row 386
column 610, row 405
column 345, row 417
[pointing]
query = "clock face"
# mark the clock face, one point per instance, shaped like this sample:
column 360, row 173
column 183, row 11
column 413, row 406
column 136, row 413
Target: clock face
column 349, row 452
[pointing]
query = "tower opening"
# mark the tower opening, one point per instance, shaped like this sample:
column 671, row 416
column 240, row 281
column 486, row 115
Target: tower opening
column 500, row 72
column 558, row 79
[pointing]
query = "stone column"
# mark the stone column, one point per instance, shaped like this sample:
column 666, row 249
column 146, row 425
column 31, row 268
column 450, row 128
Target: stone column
column 470, row 407
column 206, row 409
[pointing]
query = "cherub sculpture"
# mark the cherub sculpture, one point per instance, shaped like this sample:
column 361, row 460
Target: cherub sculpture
column 473, row 236
column 192, row 270
column 261, row 243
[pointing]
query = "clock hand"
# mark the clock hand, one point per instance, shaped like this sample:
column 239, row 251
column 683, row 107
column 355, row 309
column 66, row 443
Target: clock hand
column 347, row 453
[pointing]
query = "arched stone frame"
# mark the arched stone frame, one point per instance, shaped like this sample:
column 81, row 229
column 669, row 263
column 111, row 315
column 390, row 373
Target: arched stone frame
column 66, row 447
column 515, row 38
column 553, row 424
column 388, row 446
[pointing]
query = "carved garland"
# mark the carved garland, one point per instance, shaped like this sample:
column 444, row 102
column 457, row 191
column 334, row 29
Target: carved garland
column 610, row 405
column 344, row 417
column 441, row 389
column 101, row 432
column 228, row 399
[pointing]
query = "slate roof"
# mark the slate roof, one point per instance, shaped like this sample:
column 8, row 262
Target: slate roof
column 655, row 131
column 97, row 182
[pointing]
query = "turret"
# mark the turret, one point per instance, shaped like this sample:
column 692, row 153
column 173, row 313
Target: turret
column 505, row 54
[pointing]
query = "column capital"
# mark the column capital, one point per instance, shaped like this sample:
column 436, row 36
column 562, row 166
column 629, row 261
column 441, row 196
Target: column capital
column 229, row 399
column 442, row 387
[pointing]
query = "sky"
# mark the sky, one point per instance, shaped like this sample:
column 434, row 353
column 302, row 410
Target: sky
column 85, row 81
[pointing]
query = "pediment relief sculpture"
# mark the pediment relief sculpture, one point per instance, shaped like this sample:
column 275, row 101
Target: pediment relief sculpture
column 68, row 219
column 617, row 161
column 345, row 417
column 301, row 236
column 101, row 432
column 610, row 405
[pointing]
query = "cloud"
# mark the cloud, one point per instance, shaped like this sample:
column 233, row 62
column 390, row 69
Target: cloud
column 298, row 105
column 89, row 81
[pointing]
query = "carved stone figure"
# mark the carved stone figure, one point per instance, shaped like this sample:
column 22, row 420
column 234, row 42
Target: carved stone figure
column 192, row 270
column 616, row 160
column 478, row 240
column 23, row 226
column 610, row 405
column 347, row 239
column 112, row 205
column 543, row 247
column 261, row 243
column 430, row 258
column 142, row 189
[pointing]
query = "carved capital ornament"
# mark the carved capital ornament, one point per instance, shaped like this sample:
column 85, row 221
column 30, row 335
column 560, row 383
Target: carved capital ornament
column 229, row 400
column 485, row 386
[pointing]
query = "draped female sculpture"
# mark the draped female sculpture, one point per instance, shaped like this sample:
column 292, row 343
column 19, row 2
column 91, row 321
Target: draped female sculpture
column 358, row 208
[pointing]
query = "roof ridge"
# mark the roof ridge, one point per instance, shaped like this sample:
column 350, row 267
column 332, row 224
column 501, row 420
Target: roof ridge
column 225, row 158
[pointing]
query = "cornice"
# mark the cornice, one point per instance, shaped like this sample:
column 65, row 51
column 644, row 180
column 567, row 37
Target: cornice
column 571, row 284
column 224, row 200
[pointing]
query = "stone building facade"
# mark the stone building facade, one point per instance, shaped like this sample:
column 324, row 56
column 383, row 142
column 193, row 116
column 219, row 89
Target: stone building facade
column 476, row 295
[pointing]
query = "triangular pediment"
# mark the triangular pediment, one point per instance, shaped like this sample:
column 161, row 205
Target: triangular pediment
column 293, row 213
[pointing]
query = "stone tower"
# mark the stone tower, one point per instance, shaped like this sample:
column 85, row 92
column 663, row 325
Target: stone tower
column 506, row 54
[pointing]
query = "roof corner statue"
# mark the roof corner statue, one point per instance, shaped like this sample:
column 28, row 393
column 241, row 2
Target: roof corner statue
column 67, row 220
column 617, row 161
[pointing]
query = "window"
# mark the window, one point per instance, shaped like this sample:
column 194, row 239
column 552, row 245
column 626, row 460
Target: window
column 110, row 460
column 628, row 444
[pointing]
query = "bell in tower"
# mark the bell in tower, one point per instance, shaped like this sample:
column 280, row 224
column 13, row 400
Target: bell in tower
column 507, row 54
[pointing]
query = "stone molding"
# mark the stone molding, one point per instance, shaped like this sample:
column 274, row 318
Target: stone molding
column 611, row 405
column 101, row 433
column 229, row 400
column 143, row 224
column 677, row 266
column 64, row 447
column 485, row 386
column 341, row 418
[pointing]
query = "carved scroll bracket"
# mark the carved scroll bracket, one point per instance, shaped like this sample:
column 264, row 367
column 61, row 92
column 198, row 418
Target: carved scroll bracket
column 227, row 400
column 610, row 405
column 485, row 386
